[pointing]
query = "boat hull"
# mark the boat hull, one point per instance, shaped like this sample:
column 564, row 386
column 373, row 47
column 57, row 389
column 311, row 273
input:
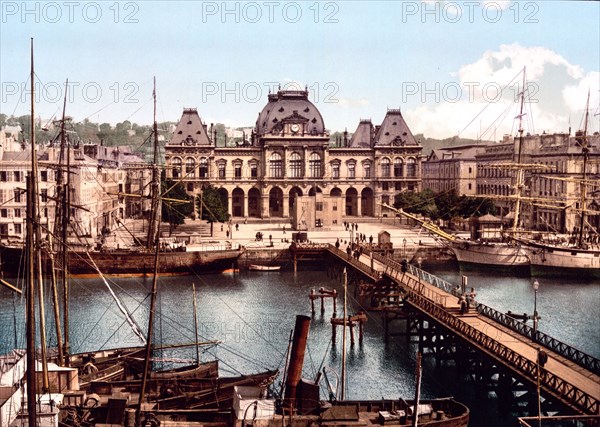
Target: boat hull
column 128, row 263
column 513, row 258
column 444, row 413
column 257, row 267
column 565, row 263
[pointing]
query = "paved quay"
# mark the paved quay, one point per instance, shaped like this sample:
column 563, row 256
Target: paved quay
column 276, row 237
column 245, row 233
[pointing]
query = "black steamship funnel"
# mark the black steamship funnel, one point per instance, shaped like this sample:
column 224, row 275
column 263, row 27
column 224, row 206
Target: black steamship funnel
column 296, row 361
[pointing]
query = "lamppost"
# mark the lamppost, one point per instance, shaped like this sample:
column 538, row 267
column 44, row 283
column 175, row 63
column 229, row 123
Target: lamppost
column 536, row 286
column 404, row 248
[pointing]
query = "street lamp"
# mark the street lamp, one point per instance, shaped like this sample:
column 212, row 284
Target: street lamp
column 536, row 286
column 404, row 248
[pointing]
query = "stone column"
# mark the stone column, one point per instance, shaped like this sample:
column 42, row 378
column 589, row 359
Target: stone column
column 264, row 208
column 286, row 205
column 358, row 205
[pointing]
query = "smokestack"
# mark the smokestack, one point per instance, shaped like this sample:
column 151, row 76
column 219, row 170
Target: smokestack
column 296, row 360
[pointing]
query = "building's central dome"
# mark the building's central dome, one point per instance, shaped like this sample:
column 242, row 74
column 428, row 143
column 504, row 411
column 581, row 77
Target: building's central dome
column 290, row 106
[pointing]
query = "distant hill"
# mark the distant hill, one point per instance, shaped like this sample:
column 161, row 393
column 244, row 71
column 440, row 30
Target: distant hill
column 428, row 143
column 432, row 143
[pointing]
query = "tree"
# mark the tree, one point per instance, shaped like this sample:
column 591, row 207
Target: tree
column 476, row 206
column 176, row 204
column 420, row 203
column 212, row 207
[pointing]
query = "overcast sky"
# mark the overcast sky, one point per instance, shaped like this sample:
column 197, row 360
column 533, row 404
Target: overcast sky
column 441, row 62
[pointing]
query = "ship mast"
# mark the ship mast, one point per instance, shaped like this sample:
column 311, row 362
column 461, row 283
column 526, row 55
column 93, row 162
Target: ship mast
column 30, row 241
column 155, row 184
column 60, row 229
column 153, row 239
column 582, row 185
column 519, row 172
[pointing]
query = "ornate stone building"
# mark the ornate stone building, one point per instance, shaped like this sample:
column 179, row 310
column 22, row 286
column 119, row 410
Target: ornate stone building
column 552, row 197
column 290, row 154
column 452, row 169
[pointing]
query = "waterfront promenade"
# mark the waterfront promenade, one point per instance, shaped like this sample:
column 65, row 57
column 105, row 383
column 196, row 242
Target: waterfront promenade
column 245, row 234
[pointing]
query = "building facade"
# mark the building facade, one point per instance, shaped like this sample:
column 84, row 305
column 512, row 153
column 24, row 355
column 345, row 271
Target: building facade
column 552, row 196
column 452, row 169
column 289, row 155
column 97, row 178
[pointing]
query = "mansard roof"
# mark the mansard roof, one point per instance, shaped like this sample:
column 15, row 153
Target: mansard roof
column 288, row 105
column 394, row 131
column 190, row 130
column 363, row 136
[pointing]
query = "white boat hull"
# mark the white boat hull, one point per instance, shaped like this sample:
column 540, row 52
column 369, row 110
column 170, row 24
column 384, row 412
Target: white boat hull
column 491, row 254
column 564, row 261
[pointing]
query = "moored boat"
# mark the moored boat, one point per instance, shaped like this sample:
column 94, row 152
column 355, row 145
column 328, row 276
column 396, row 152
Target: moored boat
column 559, row 261
column 258, row 267
column 132, row 261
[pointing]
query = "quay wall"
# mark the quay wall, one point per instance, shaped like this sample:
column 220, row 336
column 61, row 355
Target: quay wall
column 278, row 255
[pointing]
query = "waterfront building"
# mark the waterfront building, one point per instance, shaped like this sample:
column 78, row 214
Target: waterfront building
column 289, row 154
column 97, row 177
column 452, row 169
column 560, row 182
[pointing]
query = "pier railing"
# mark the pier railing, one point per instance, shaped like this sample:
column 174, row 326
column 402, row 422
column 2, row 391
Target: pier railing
column 562, row 389
column 584, row 360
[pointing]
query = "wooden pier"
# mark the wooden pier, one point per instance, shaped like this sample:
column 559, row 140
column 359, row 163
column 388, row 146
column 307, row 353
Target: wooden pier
column 569, row 376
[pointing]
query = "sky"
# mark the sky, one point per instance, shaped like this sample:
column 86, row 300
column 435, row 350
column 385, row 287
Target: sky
column 452, row 67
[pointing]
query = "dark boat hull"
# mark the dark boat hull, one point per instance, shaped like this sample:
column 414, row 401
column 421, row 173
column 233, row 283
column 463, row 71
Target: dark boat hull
column 126, row 262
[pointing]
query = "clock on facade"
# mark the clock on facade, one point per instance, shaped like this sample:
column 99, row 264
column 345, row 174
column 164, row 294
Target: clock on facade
column 295, row 127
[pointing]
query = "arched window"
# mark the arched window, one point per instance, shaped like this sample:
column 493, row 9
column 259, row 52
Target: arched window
column 314, row 165
column 367, row 169
column 190, row 167
column 221, row 168
column 398, row 167
column 411, row 168
column 276, row 166
column 204, row 167
column 295, row 165
column 385, row 167
column 176, row 167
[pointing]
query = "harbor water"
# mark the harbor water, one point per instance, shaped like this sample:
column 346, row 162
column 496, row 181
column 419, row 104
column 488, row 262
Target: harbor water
column 252, row 314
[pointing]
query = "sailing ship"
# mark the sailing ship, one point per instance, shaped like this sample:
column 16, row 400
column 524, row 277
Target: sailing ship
column 580, row 254
column 180, row 256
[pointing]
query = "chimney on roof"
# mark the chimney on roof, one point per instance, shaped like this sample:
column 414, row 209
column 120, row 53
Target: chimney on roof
column 346, row 137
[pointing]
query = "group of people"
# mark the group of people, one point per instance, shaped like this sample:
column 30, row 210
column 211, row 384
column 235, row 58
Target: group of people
column 466, row 299
column 351, row 226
